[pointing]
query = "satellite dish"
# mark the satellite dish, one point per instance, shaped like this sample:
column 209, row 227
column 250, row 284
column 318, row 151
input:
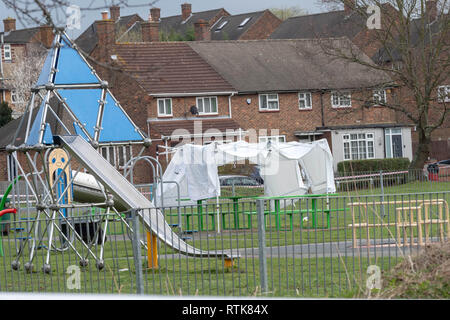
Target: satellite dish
column 194, row 110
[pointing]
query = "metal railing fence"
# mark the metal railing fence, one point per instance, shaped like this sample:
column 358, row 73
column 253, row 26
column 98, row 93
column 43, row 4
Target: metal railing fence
column 311, row 246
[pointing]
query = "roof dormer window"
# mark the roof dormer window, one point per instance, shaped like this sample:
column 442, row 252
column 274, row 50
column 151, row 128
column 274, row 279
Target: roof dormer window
column 220, row 27
column 243, row 23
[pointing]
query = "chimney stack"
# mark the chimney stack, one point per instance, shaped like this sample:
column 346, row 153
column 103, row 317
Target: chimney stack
column 46, row 35
column 155, row 14
column 115, row 12
column 106, row 33
column 104, row 15
column 186, row 11
column 202, row 32
column 431, row 10
column 349, row 6
column 150, row 30
column 9, row 24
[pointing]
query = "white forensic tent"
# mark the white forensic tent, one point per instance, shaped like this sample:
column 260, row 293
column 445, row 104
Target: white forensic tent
column 288, row 169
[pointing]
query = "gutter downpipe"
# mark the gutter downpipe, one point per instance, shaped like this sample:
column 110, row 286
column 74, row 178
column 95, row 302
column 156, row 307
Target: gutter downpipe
column 1, row 65
column 229, row 103
column 322, row 108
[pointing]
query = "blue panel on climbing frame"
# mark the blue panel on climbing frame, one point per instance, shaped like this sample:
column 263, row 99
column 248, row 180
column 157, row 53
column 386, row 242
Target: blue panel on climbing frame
column 116, row 125
column 84, row 103
column 72, row 69
column 33, row 135
column 44, row 77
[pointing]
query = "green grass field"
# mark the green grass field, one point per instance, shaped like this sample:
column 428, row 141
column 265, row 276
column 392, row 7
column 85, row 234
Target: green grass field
column 342, row 276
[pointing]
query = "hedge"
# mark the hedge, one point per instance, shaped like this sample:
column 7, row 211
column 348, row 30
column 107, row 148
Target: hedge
column 371, row 165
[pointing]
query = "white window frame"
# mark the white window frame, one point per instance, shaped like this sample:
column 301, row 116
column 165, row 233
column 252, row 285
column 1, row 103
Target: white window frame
column 339, row 97
column 261, row 108
column 388, row 133
column 305, row 100
column 201, row 111
column 108, row 155
column 364, row 141
column 165, row 114
column 15, row 98
column 444, row 91
column 11, row 167
column 244, row 22
column 127, row 153
column 222, row 25
column 7, row 49
column 379, row 97
column 117, row 150
column 276, row 138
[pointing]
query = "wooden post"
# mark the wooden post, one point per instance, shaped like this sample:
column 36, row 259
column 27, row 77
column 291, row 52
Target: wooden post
column 228, row 263
column 419, row 225
column 441, row 221
column 152, row 251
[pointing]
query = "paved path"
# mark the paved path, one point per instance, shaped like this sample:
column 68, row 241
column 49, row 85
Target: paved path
column 377, row 248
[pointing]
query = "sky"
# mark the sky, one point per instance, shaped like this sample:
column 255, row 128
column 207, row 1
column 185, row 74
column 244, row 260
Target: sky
column 168, row 8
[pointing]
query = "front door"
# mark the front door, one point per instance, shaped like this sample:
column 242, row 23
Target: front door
column 397, row 150
column 393, row 143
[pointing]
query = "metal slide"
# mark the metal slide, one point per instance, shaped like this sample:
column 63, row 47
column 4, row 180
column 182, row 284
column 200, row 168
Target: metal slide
column 129, row 196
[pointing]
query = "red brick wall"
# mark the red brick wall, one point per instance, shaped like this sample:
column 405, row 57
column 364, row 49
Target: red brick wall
column 290, row 118
column 287, row 120
column 3, row 166
column 262, row 28
column 358, row 113
column 181, row 107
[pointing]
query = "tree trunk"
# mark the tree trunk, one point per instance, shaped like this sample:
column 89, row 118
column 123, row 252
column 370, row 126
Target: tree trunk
column 423, row 150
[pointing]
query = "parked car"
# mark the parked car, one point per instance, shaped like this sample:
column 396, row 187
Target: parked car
column 257, row 175
column 230, row 180
column 438, row 170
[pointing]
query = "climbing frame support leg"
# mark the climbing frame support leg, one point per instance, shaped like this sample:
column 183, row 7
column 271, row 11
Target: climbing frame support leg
column 152, row 251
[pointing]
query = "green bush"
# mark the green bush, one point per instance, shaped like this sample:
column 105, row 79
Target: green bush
column 5, row 113
column 373, row 165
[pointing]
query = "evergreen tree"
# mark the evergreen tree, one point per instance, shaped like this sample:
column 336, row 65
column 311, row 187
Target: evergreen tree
column 5, row 113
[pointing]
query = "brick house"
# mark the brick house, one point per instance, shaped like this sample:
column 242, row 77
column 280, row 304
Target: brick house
column 88, row 40
column 271, row 89
column 15, row 46
column 351, row 24
column 309, row 95
column 218, row 24
column 215, row 24
column 259, row 90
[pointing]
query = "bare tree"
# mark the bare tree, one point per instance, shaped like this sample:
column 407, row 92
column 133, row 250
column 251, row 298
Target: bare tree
column 412, row 37
column 55, row 12
column 24, row 75
column 284, row 13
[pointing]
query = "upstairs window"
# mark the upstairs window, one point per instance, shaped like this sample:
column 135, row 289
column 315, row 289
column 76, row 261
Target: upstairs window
column 15, row 97
column 207, row 105
column 7, row 52
column 444, row 94
column 165, row 107
column 379, row 97
column 268, row 102
column 341, row 99
column 305, row 100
